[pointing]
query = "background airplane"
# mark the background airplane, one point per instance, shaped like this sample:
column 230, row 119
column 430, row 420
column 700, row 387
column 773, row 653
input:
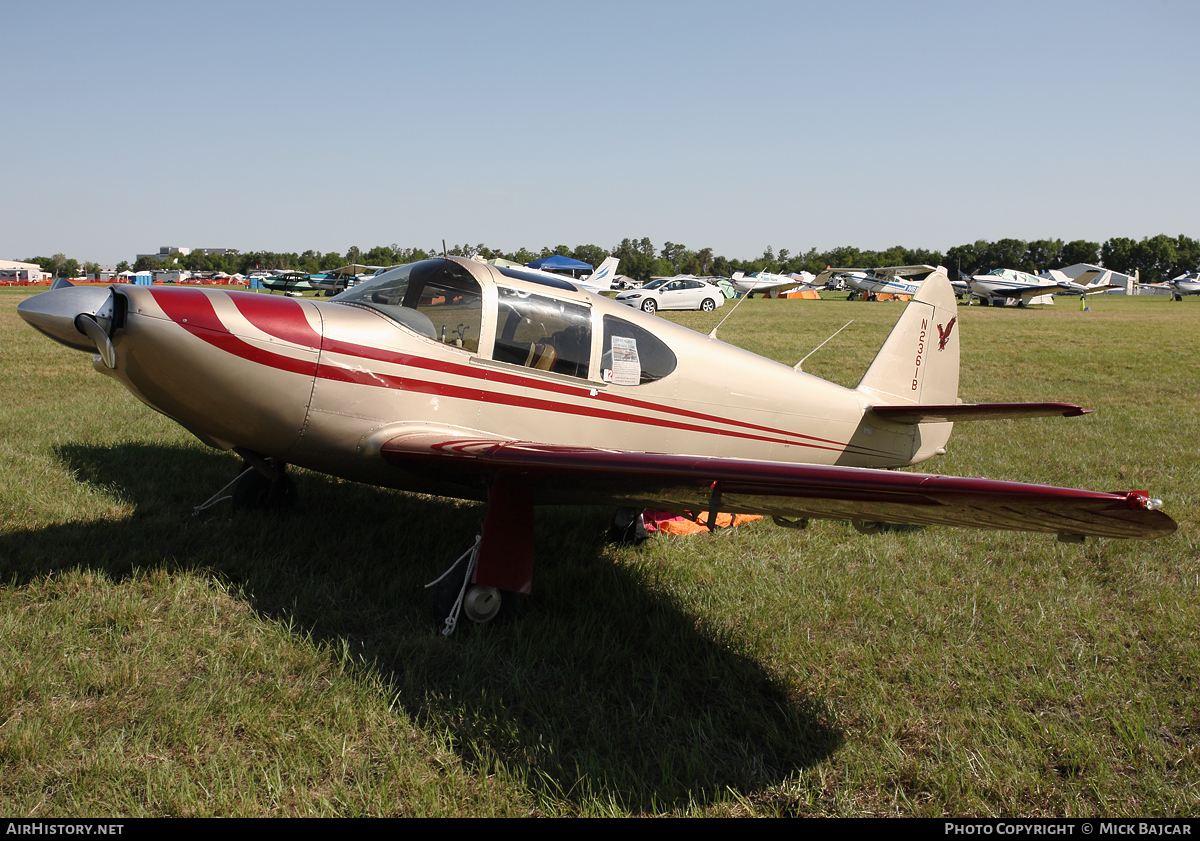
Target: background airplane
column 1187, row 283
column 895, row 280
column 1010, row 284
column 770, row 284
column 600, row 280
column 335, row 280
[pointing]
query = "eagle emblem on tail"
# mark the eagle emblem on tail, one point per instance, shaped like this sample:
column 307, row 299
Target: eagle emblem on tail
column 944, row 333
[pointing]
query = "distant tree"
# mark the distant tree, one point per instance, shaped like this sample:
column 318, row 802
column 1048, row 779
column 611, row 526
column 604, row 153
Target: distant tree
column 1155, row 257
column 721, row 266
column 673, row 253
column 384, row 255
column 1187, row 255
column 57, row 262
column 353, row 254
column 1007, row 254
column 593, row 254
column 523, row 255
column 1080, row 251
column 846, row 257
column 894, row 256
column 123, row 266
column 91, row 269
column 1044, row 254
column 965, row 259
column 705, row 257
column 1117, row 254
column 921, row 257
column 70, row 267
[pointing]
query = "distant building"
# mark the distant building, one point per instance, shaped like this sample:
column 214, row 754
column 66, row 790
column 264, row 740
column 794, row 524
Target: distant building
column 171, row 253
column 1127, row 283
column 167, row 253
column 14, row 270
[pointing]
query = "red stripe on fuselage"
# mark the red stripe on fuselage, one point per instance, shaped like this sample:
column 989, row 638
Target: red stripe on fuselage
column 282, row 318
column 491, row 374
column 400, row 383
column 192, row 310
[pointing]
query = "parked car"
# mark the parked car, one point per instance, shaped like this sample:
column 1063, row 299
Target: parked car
column 674, row 294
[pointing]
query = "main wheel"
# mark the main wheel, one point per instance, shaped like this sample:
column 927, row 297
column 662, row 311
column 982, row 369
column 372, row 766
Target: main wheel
column 649, row 306
column 482, row 604
column 708, row 305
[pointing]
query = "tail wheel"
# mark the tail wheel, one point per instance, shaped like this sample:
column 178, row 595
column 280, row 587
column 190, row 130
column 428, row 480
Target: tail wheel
column 708, row 305
column 649, row 306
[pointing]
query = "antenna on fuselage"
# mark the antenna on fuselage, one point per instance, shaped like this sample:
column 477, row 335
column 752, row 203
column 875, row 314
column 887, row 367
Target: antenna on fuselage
column 713, row 333
column 797, row 367
column 444, row 255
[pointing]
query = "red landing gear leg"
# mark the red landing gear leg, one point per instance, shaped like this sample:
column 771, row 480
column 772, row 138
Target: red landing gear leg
column 506, row 549
column 500, row 566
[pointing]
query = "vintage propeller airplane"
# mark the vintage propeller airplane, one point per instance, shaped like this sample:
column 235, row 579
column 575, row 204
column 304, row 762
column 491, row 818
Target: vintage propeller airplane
column 457, row 378
column 1187, row 283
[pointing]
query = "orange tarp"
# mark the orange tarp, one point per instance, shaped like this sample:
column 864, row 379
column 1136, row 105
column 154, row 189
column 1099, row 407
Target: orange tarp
column 669, row 523
column 809, row 294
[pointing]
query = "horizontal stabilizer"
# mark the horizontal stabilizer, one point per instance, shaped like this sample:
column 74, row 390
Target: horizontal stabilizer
column 977, row 411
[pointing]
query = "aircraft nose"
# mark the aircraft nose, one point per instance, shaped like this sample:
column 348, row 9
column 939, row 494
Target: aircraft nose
column 63, row 313
column 79, row 317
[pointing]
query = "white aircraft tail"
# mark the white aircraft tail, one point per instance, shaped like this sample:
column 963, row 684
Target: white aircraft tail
column 918, row 364
column 602, row 278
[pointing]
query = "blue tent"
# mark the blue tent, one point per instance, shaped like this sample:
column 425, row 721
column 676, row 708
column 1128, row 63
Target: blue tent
column 558, row 263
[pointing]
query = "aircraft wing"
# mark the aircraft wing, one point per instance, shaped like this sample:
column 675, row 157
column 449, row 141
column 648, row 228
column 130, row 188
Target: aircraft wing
column 565, row 474
column 1024, row 292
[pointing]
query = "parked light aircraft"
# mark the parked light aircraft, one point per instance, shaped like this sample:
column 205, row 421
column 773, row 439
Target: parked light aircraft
column 1187, row 283
column 335, row 280
column 456, row 378
column 285, row 281
column 600, row 280
column 770, row 284
column 894, row 280
column 1023, row 287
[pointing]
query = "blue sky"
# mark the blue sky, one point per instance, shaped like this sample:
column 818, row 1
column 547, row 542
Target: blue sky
column 288, row 126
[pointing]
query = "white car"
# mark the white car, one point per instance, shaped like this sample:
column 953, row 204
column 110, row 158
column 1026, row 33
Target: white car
column 674, row 294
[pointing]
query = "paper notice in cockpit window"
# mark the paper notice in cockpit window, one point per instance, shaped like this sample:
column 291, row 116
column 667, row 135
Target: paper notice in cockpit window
column 626, row 367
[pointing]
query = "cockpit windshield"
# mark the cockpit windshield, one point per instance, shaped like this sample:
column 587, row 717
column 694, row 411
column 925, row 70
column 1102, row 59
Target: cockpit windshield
column 438, row 299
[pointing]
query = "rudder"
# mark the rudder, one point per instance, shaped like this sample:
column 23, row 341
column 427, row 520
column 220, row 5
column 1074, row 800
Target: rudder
column 918, row 362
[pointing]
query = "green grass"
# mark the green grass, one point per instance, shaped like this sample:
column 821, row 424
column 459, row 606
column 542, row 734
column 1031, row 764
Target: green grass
column 152, row 663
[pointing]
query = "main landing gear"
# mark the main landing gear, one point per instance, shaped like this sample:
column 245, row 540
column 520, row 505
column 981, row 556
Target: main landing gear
column 488, row 580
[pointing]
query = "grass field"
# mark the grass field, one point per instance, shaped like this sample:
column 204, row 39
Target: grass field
column 152, row 663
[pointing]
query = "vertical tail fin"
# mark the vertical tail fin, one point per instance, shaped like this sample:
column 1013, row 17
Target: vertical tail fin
column 919, row 361
column 602, row 278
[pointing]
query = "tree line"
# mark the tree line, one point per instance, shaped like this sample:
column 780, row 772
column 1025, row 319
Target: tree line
column 1155, row 258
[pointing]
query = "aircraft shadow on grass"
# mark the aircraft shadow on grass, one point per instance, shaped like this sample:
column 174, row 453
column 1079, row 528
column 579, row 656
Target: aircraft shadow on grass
column 600, row 686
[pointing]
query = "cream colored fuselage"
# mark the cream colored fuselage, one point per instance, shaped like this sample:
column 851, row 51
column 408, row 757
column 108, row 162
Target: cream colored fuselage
column 324, row 385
